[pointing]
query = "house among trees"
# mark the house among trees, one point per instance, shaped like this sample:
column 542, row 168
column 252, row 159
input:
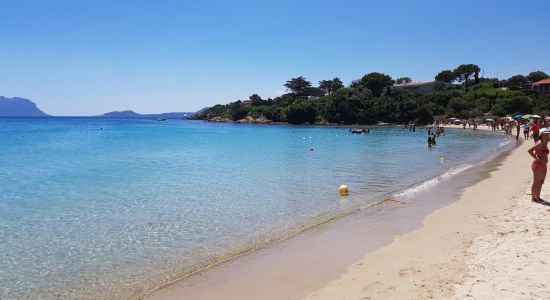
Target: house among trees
column 542, row 86
column 419, row 87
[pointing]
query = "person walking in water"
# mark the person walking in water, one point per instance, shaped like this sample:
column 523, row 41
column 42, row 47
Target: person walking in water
column 539, row 152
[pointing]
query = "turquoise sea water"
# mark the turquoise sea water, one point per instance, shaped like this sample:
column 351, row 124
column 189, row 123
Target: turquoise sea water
column 110, row 208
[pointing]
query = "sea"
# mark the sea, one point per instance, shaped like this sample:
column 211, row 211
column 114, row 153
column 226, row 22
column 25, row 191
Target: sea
column 111, row 208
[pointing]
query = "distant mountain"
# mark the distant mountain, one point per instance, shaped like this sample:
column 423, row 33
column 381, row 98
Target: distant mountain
column 122, row 113
column 19, row 107
column 132, row 114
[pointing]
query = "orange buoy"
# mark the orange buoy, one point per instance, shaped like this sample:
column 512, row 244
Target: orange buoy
column 343, row 190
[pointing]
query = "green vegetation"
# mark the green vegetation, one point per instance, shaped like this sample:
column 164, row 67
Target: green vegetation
column 374, row 98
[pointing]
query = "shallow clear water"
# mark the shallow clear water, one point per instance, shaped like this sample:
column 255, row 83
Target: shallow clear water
column 110, row 208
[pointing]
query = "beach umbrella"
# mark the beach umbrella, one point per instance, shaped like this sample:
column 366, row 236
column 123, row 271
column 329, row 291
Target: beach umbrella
column 517, row 117
column 547, row 118
column 526, row 116
column 489, row 119
column 535, row 116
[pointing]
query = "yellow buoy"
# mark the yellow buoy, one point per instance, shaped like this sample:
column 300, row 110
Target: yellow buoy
column 343, row 190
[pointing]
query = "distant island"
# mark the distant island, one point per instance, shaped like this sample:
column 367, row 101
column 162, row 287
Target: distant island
column 377, row 98
column 133, row 114
column 19, row 107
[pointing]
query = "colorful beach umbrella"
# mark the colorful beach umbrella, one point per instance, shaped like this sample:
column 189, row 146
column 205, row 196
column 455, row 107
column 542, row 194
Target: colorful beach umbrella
column 517, row 117
column 489, row 120
column 526, row 116
column 547, row 118
column 535, row 116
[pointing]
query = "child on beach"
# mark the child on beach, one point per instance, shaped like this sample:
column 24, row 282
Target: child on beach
column 540, row 153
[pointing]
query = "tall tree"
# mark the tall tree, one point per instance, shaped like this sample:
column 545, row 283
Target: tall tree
column 403, row 80
column 326, row 86
column 331, row 86
column 337, row 84
column 464, row 72
column 255, row 97
column 537, row 76
column 447, row 76
column 517, row 80
column 376, row 82
column 298, row 85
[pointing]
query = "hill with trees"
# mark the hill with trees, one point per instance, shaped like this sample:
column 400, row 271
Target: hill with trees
column 376, row 97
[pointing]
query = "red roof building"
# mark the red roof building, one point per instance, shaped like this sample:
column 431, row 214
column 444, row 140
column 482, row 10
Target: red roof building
column 542, row 86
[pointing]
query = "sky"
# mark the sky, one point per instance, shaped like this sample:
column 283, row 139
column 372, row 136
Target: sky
column 76, row 58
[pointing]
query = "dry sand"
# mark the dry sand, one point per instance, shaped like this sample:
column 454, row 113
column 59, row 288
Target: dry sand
column 493, row 243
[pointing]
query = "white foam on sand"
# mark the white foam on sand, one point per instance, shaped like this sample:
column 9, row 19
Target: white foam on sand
column 430, row 183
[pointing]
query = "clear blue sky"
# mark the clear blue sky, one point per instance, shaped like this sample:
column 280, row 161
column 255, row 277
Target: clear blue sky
column 90, row 57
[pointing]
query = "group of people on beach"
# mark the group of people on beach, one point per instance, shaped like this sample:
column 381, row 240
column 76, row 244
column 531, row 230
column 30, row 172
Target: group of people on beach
column 540, row 132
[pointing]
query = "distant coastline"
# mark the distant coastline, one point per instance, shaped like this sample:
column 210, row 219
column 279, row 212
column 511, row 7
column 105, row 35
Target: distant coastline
column 132, row 114
column 22, row 107
column 377, row 98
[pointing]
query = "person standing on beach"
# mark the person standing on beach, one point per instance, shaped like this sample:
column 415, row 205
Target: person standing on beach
column 517, row 130
column 526, row 129
column 535, row 129
column 539, row 152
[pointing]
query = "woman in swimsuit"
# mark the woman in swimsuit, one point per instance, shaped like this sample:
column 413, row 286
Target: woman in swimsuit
column 540, row 153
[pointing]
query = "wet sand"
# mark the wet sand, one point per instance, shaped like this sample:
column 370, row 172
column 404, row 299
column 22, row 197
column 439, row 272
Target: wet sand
column 320, row 258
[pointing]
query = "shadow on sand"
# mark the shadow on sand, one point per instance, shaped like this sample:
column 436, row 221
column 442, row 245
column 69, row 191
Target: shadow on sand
column 543, row 202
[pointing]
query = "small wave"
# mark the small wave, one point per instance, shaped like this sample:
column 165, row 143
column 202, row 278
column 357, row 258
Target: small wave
column 502, row 144
column 433, row 181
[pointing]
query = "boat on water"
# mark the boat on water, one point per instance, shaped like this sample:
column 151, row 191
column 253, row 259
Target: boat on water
column 161, row 119
column 359, row 131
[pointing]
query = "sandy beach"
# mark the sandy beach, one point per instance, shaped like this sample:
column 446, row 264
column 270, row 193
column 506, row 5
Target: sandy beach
column 491, row 244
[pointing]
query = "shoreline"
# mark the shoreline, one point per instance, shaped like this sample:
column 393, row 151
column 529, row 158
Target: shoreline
column 257, row 262
column 475, row 247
